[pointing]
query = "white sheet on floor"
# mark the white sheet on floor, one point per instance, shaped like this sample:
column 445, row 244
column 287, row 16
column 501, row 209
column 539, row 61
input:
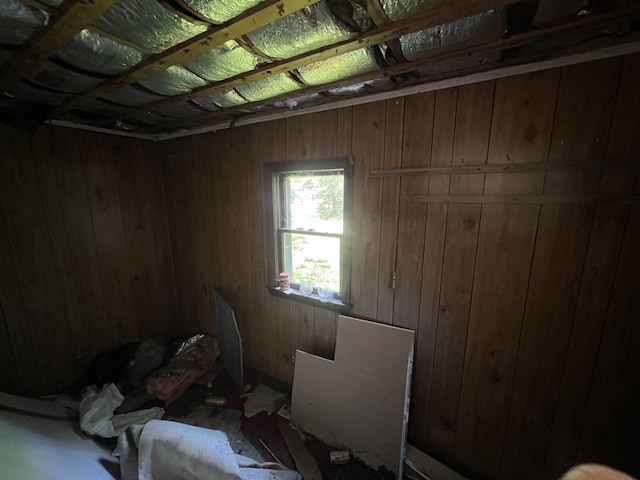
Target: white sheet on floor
column 45, row 448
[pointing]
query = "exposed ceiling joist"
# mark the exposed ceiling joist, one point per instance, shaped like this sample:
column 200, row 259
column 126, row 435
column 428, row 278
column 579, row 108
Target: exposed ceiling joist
column 254, row 18
column 584, row 24
column 74, row 16
column 435, row 16
column 632, row 47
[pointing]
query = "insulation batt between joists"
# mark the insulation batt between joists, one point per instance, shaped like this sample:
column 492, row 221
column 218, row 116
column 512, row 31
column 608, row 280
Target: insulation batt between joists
column 219, row 11
column 55, row 77
column 18, row 22
column 475, row 29
column 340, row 67
column 222, row 62
column 147, row 24
column 398, row 9
column 302, row 31
column 132, row 97
column 25, row 91
column 268, row 88
column 172, row 81
column 220, row 100
column 95, row 53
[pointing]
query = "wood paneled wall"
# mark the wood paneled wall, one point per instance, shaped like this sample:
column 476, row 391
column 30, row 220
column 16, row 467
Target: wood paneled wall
column 85, row 254
column 527, row 316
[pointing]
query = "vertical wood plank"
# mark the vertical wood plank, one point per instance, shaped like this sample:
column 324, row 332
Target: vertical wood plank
column 9, row 377
column 273, row 145
column 153, row 203
column 67, row 163
column 472, row 129
column 609, row 434
column 17, row 324
column 611, row 418
column 520, row 132
column 31, row 249
column 416, row 152
column 390, row 206
column 561, row 244
column 109, row 235
column 178, row 209
column 257, row 352
column 59, row 246
column 430, row 259
column 367, row 148
column 595, row 289
column 138, row 240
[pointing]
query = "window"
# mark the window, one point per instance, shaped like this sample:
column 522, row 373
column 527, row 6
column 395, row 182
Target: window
column 309, row 228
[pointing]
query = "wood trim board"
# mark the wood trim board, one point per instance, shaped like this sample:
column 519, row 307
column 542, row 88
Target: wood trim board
column 360, row 400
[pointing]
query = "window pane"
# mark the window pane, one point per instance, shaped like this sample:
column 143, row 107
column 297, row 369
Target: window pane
column 313, row 259
column 314, row 202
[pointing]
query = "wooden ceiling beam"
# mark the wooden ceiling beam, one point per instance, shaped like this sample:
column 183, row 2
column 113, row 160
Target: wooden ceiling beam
column 72, row 18
column 250, row 20
column 445, row 13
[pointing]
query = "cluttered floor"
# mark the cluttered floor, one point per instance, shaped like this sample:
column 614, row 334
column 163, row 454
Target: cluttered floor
column 43, row 438
column 157, row 410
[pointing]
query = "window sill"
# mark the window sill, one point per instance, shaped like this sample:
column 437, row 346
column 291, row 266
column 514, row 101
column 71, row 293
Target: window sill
column 311, row 299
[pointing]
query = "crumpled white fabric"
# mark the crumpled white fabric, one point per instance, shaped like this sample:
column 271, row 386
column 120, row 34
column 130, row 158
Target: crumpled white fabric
column 165, row 450
column 97, row 418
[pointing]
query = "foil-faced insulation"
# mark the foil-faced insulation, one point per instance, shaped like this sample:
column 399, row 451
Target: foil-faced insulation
column 50, row 75
column 132, row 96
column 268, row 87
column 219, row 11
column 220, row 100
column 147, row 24
column 172, row 81
column 340, row 67
column 18, row 22
column 549, row 10
column 478, row 29
column 222, row 62
column 294, row 102
column 180, row 110
column 398, row 9
column 95, row 53
column 362, row 87
column 99, row 107
column 33, row 93
column 307, row 29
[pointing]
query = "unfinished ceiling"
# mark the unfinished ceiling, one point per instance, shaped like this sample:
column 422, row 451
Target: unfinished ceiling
column 166, row 67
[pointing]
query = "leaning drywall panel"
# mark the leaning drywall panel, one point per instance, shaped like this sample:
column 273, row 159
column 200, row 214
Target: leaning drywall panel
column 359, row 400
column 230, row 339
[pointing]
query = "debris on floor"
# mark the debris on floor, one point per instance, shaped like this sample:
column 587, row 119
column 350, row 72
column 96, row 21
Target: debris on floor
column 263, row 399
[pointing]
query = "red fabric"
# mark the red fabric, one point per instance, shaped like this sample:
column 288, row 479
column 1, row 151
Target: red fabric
column 192, row 360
